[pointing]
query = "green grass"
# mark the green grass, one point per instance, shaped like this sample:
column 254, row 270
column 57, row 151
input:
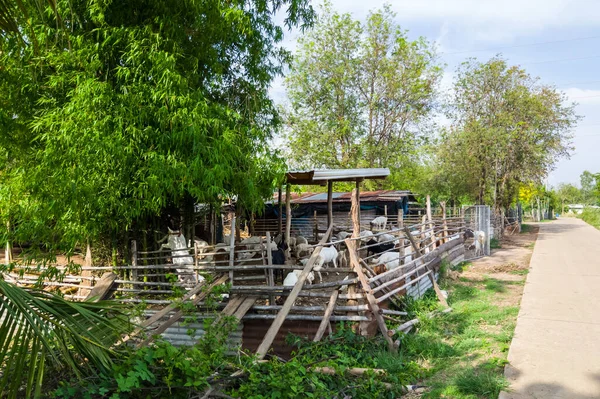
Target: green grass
column 591, row 216
column 463, row 353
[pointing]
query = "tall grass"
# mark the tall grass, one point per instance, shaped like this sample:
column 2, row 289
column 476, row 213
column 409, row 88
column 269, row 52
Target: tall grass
column 591, row 216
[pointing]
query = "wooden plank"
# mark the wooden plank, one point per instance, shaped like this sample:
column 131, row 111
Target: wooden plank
column 246, row 304
column 369, row 293
column 161, row 328
column 326, row 316
column 232, row 305
column 102, row 288
column 403, row 327
column 412, row 242
column 289, row 302
column 436, row 288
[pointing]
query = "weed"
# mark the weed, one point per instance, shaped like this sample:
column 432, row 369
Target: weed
column 526, row 228
column 495, row 243
column 482, row 381
column 520, row 272
column 494, row 285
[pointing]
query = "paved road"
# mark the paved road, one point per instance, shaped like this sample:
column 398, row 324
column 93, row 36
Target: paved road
column 555, row 352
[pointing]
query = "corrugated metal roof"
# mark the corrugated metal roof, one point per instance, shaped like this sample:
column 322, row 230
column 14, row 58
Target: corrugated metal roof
column 379, row 195
column 320, row 176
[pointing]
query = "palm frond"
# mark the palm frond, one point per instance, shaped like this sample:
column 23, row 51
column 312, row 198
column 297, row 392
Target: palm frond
column 38, row 329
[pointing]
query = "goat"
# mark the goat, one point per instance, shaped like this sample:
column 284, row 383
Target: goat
column 342, row 235
column 386, row 237
column 327, row 255
column 302, row 248
column 366, row 235
column 374, row 248
column 379, row 222
column 478, row 237
column 292, row 278
column 390, row 260
column 342, row 257
column 278, row 258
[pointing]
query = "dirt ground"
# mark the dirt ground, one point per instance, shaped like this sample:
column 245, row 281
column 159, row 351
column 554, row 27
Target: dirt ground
column 510, row 262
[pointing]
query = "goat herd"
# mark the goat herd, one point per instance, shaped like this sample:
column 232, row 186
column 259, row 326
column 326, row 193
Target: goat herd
column 385, row 249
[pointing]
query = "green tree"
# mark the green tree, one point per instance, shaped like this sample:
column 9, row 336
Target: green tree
column 506, row 129
column 590, row 187
column 360, row 95
column 128, row 108
column 568, row 194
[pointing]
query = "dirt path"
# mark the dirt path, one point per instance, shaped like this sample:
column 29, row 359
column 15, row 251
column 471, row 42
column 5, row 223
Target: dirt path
column 555, row 352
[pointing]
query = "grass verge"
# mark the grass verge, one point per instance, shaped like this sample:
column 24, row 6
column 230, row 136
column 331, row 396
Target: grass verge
column 463, row 353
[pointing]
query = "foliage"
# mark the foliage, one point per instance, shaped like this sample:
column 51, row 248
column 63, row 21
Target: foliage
column 591, row 216
column 568, row 194
column 153, row 371
column 125, row 109
column 507, row 129
column 42, row 332
column 360, row 95
column 590, row 187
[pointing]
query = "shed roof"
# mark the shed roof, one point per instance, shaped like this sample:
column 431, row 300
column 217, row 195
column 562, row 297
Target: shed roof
column 322, row 176
column 373, row 196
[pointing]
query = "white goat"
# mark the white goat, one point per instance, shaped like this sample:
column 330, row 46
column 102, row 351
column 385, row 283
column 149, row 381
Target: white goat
column 391, row 260
column 327, row 255
column 386, row 238
column 342, row 258
column 301, row 240
column 303, row 248
column 366, row 235
column 479, row 242
column 379, row 222
column 342, row 235
column 253, row 244
column 292, row 278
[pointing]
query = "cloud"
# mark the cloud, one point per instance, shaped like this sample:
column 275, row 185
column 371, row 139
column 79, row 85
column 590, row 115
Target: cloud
column 487, row 20
column 583, row 96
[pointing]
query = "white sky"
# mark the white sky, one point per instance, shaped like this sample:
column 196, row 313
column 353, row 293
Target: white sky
column 566, row 53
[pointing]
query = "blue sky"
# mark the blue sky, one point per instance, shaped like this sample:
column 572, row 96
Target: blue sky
column 565, row 51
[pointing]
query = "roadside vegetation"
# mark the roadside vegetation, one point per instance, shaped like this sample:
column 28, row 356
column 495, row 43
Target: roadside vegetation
column 591, row 216
column 460, row 354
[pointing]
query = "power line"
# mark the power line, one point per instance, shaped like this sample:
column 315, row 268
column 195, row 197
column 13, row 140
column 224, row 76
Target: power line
column 560, row 60
column 577, row 83
column 523, row 45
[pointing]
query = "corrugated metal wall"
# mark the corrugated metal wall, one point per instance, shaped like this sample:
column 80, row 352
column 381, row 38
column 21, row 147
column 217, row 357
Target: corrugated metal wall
column 190, row 329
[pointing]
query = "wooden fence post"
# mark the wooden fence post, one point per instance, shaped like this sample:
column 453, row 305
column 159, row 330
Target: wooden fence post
column 86, row 273
column 400, row 218
column 316, row 227
column 232, row 250
column 445, row 224
column 8, row 251
column 431, row 227
column 270, row 271
column 134, row 261
column 288, row 217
